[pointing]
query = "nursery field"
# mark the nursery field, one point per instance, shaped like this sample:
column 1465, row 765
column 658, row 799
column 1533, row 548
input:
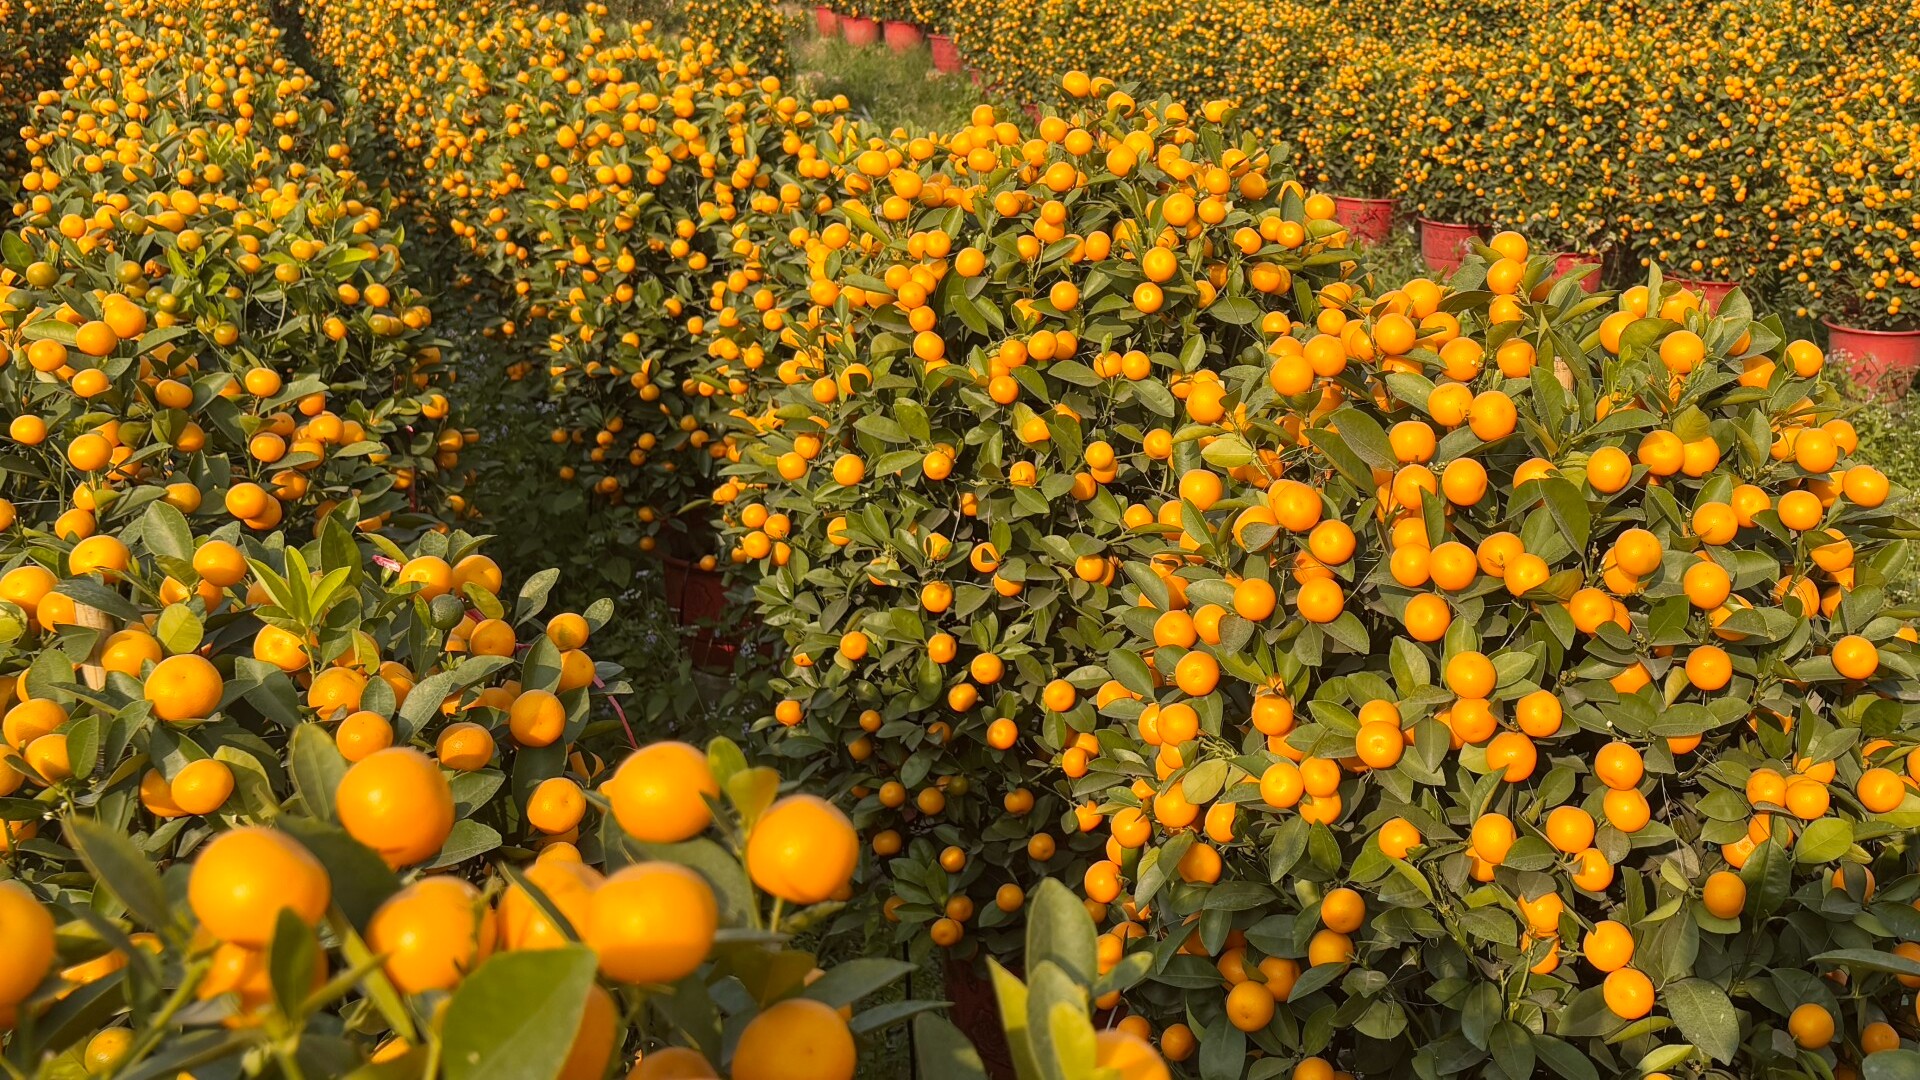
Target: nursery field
column 949, row 540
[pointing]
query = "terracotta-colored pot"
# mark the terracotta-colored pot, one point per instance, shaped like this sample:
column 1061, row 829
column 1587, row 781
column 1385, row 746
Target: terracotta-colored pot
column 1710, row 292
column 859, row 30
column 698, row 599
column 1369, row 221
column 1445, row 245
column 825, row 22
column 1882, row 360
column 946, row 58
column 977, row 77
column 902, row 36
column 1567, row 260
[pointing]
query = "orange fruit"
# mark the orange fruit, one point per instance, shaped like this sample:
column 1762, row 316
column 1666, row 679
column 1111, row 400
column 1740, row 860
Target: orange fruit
column 567, row 884
column 651, row 923
column 1628, row 993
column 556, row 805
column 795, row 1039
column 659, row 793
column 1470, row 675
column 1811, row 1026
column 802, row 850
column 464, row 747
column 432, row 933
column 1343, row 910
column 201, row 787
column 537, row 718
column 1855, row 657
column 1724, row 894
column 594, row 1040
column 1249, row 1006
column 397, row 802
column 1619, row 766
column 1609, row 946
column 184, row 687
column 26, row 940
column 1492, row 836
column 672, row 1063
column 244, row 878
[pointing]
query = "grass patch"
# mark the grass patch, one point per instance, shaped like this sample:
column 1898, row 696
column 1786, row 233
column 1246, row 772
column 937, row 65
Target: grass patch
column 887, row 88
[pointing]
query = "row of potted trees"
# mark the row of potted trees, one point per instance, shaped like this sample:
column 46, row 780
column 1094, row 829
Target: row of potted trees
column 1750, row 143
column 902, row 26
column 1886, row 359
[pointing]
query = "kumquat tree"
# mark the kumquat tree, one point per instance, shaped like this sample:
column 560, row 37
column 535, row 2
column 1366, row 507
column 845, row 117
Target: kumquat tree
column 951, row 541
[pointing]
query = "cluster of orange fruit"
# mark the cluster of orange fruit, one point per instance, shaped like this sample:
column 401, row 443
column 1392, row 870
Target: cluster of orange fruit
column 204, row 302
column 317, row 740
column 1373, row 626
column 1765, row 144
column 375, row 777
column 615, row 211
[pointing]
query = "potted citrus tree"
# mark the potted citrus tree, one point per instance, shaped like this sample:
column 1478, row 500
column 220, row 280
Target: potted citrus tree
column 1564, row 125
column 1709, row 159
column 860, row 24
column 1447, row 160
column 1350, row 145
column 932, row 16
column 897, row 18
column 1851, row 198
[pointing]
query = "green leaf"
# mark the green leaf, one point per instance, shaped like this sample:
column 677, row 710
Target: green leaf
column 1563, row 1058
column 93, row 594
column 1234, row 310
column 1512, row 1049
column 1824, row 841
column 751, row 791
column 533, row 594
column 179, row 629
column 514, row 1018
column 1059, row 929
column 361, row 879
column 1364, row 436
column 849, row 981
column 317, row 766
column 468, row 839
column 83, row 745
column 1227, row 452
column 1868, row 960
column 1011, row 995
column 123, row 869
column 1891, row 1065
column 164, row 528
column 1569, row 509
column 290, row 961
column 1706, row 1016
column 939, row 1049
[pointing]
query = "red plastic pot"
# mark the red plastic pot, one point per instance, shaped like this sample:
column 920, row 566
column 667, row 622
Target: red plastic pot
column 1369, row 221
column 859, row 30
column 902, row 36
column 946, row 57
column 698, row 599
column 825, row 22
column 1883, row 360
column 1445, row 245
column 1710, row 292
column 1567, row 260
column 977, row 77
